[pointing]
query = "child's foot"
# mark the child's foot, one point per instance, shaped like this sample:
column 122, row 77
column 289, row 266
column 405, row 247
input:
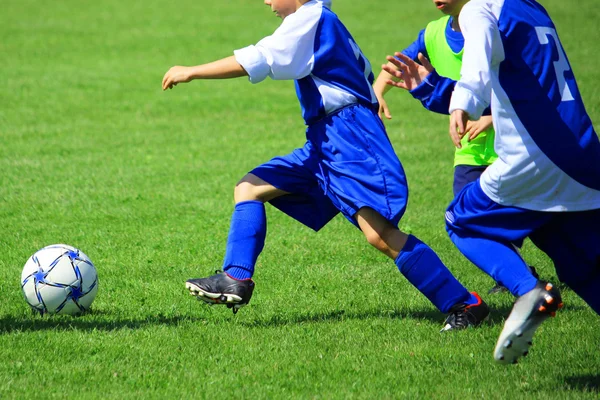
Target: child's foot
column 465, row 315
column 528, row 313
column 222, row 289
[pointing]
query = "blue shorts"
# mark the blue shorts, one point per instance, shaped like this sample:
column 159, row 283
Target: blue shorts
column 347, row 163
column 570, row 239
column 464, row 174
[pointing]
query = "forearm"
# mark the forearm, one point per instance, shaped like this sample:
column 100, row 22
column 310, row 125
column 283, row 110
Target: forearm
column 220, row 69
column 380, row 86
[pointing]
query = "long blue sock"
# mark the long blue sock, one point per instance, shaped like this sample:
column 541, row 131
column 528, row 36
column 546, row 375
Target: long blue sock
column 246, row 239
column 499, row 260
column 424, row 269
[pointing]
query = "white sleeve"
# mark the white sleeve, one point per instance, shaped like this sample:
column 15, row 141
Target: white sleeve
column 288, row 53
column 483, row 53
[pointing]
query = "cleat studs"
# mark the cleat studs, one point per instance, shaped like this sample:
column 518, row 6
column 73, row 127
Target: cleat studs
column 553, row 314
column 561, row 305
column 542, row 309
column 508, row 344
column 520, row 334
column 549, row 299
column 525, row 353
column 530, row 343
column 549, row 286
column 514, row 361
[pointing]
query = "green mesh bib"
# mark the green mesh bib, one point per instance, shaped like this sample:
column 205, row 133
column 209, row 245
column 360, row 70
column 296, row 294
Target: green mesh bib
column 479, row 151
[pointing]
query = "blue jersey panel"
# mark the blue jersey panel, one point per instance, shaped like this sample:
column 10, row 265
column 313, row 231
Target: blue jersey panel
column 340, row 70
column 538, row 79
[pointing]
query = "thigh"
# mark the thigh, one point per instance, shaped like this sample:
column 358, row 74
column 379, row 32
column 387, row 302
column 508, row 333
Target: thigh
column 251, row 187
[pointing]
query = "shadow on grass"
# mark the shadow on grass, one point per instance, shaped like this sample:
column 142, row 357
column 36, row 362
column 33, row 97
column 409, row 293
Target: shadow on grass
column 105, row 321
column 497, row 316
column 430, row 315
column 584, row 383
column 9, row 324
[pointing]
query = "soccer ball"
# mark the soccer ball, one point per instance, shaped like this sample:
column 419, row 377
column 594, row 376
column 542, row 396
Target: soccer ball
column 59, row 279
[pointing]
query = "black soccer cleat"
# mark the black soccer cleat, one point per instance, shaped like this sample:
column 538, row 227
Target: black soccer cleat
column 528, row 313
column 464, row 315
column 222, row 289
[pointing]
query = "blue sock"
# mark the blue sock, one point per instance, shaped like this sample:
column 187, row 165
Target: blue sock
column 246, row 239
column 499, row 260
column 423, row 268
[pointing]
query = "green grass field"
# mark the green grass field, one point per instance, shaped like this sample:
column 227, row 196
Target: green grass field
column 95, row 155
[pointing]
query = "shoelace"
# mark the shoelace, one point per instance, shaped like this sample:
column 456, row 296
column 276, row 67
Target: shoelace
column 460, row 317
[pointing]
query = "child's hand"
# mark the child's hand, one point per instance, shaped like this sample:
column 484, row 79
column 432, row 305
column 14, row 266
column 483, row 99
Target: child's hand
column 410, row 73
column 176, row 75
column 383, row 108
column 474, row 128
column 458, row 121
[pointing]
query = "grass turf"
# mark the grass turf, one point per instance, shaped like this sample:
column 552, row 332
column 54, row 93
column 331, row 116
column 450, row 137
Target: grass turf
column 94, row 155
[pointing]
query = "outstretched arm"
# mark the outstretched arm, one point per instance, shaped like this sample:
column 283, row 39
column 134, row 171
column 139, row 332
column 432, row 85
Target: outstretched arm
column 422, row 81
column 381, row 87
column 220, row 69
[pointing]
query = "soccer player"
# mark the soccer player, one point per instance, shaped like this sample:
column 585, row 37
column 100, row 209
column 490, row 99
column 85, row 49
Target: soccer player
column 442, row 44
column 346, row 165
column 546, row 181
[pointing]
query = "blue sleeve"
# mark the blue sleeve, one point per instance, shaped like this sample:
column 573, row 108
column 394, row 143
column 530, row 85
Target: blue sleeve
column 416, row 47
column 435, row 93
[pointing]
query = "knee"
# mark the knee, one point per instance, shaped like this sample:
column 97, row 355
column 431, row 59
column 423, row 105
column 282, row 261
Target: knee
column 245, row 191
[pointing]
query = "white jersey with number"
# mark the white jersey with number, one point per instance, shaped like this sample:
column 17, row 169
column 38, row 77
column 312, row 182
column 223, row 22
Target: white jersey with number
column 314, row 48
column 549, row 153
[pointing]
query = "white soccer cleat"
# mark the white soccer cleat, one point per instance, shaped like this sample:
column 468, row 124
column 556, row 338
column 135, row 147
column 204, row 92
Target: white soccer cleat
column 528, row 313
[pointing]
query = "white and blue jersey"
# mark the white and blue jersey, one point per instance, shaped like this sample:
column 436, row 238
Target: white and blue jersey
column 316, row 50
column 347, row 161
column 549, row 153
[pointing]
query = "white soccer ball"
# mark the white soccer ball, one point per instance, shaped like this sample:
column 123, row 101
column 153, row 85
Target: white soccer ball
column 59, row 279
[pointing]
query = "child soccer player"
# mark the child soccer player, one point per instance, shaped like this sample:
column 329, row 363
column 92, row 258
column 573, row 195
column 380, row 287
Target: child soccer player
column 442, row 43
column 347, row 164
column 545, row 184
